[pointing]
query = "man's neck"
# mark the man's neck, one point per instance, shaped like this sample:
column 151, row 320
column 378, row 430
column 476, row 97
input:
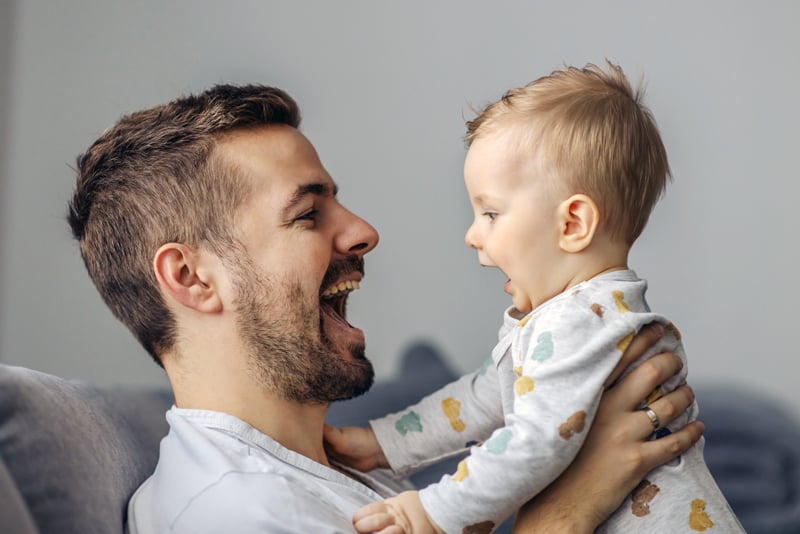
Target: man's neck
column 297, row 426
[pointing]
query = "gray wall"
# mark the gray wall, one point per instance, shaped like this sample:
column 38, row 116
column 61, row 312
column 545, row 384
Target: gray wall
column 6, row 42
column 385, row 88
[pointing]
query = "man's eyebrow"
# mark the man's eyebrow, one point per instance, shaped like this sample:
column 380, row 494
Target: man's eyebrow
column 302, row 191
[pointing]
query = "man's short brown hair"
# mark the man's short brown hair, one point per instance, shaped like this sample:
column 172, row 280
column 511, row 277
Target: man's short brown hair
column 153, row 179
column 591, row 133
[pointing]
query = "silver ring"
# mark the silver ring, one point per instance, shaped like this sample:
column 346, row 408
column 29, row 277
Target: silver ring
column 652, row 416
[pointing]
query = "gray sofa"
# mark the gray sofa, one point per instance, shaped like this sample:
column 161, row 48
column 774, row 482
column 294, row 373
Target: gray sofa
column 71, row 453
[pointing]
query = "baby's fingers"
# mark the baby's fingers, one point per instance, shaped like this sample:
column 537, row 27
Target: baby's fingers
column 333, row 440
column 379, row 526
column 370, row 509
column 332, row 434
column 373, row 517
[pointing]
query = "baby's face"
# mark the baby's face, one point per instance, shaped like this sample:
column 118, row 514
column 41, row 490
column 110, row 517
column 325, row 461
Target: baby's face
column 515, row 227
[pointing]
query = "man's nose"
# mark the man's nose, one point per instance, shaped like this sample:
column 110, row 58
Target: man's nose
column 357, row 235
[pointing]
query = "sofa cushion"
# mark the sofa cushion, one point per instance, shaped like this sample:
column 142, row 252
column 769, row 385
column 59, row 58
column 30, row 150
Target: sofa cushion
column 77, row 452
column 753, row 451
column 13, row 510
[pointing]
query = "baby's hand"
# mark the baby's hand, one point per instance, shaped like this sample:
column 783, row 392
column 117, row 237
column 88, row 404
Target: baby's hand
column 403, row 514
column 354, row 446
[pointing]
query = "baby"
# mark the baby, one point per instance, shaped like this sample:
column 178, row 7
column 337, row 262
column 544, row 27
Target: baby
column 562, row 175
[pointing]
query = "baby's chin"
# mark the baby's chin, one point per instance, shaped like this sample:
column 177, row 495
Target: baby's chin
column 522, row 305
column 519, row 310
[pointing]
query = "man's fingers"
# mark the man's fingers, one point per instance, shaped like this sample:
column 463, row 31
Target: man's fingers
column 635, row 387
column 662, row 450
column 669, row 407
column 645, row 339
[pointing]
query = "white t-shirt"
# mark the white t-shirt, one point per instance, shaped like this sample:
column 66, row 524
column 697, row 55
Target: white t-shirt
column 216, row 473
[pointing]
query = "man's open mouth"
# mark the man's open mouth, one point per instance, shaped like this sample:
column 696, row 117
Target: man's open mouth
column 343, row 337
column 333, row 300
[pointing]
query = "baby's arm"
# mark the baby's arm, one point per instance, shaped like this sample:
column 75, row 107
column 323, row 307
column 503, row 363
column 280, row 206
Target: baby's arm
column 439, row 427
column 408, row 449
column 555, row 397
column 402, row 514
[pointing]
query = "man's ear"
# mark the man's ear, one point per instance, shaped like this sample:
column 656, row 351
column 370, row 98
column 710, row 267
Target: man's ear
column 578, row 219
column 185, row 275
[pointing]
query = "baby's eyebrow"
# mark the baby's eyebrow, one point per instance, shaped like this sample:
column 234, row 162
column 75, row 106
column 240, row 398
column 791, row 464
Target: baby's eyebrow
column 481, row 200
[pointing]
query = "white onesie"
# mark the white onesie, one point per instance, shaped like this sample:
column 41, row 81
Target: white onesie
column 535, row 403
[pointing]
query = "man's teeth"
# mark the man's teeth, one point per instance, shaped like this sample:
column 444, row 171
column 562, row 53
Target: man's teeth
column 347, row 286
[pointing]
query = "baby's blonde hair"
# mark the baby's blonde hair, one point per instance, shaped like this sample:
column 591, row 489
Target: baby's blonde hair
column 590, row 131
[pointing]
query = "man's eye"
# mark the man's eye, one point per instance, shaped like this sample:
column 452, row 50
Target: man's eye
column 310, row 215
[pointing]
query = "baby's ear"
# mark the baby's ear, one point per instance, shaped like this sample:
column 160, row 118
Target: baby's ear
column 578, row 218
column 186, row 276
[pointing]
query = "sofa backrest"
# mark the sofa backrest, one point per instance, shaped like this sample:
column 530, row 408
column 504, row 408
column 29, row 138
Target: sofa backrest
column 74, row 452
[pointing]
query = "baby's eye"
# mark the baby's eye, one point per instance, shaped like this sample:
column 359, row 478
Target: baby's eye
column 490, row 214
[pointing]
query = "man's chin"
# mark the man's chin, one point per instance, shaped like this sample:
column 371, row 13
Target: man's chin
column 356, row 392
column 360, row 374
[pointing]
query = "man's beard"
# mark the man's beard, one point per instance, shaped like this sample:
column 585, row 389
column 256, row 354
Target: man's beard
column 289, row 350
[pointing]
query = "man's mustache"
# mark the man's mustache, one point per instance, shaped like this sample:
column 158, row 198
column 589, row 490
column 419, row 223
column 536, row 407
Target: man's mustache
column 339, row 268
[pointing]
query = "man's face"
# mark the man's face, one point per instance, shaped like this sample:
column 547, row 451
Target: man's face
column 303, row 254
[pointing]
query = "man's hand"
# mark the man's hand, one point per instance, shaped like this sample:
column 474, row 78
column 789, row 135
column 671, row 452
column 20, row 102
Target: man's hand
column 403, row 514
column 354, row 446
column 618, row 451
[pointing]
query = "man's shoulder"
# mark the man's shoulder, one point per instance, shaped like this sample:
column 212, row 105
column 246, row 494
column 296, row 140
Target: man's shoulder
column 264, row 498
column 239, row 501
column 213, row 476
column 259, row 497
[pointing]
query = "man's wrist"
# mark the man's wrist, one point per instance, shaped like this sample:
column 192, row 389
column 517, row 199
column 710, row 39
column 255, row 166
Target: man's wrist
column 551, row 512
